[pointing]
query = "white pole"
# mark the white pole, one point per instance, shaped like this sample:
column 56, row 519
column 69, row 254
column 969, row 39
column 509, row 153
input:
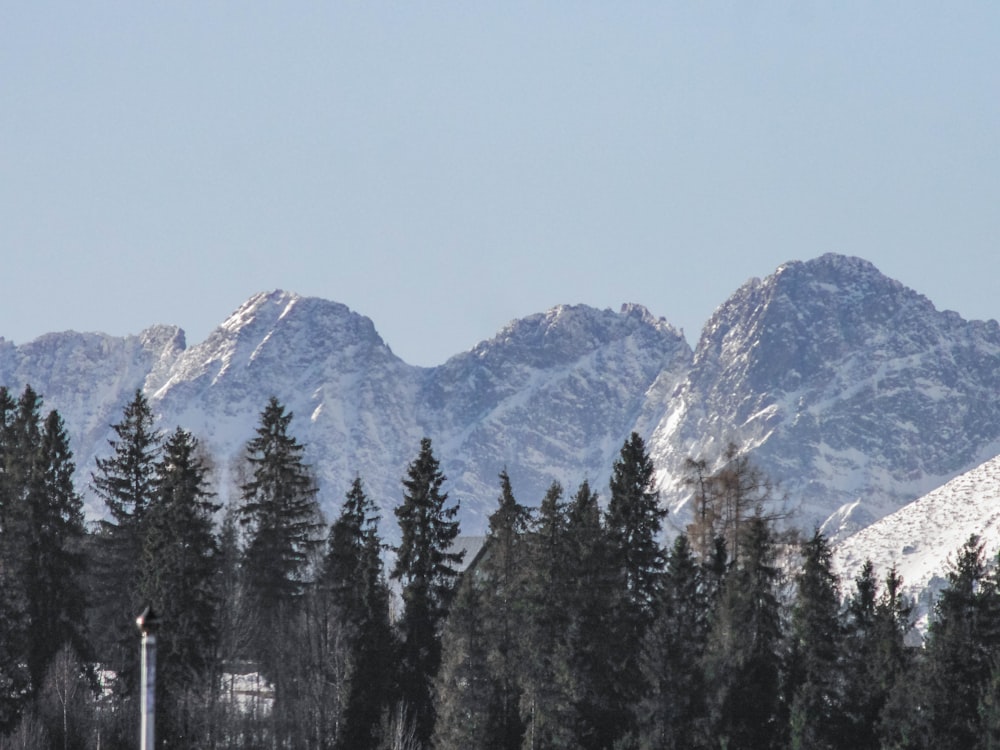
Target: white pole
column 147, row 623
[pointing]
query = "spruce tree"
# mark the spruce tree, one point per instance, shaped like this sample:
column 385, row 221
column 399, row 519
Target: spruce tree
column 594, row 597
column 816, row 681
column 283, row 523
column 426, row 569
column 53, row 567
column 633, row 522
column 493, row 591
column 743, row 663
column 126, row 482
column 547, row 696
column 179, row 579
column 353, row 578
column 669, row 713
column 502, row 570
column 18, row 442
column 874, row 654
column 467, row 690
column 941, row 704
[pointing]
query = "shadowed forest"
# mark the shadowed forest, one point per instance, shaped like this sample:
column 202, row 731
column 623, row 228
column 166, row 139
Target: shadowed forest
column 575, row 626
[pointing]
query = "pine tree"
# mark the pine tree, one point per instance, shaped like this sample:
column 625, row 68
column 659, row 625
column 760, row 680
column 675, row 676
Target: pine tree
column 743, row 660
column 126, row 482
column 18, row 439
column 355, row 583
column 633, row 522
column 54, row 563
column 547, row 689
column 425, row 568
column 670, row 712
column 874, row 654
column 941, row 704
column 283, row 523
column 815, row 676
column 178, row 578
column 594, row 596
column 502, row 568
column 467, row 690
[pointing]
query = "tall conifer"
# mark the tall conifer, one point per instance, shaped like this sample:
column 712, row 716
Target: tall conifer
column 283, row 523
column 354, row 580
column 426, row 568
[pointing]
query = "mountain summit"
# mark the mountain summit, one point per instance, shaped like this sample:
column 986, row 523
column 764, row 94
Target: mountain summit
column 852, row 391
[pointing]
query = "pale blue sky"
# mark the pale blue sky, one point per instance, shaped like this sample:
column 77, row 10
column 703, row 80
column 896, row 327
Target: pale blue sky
column 445, row 167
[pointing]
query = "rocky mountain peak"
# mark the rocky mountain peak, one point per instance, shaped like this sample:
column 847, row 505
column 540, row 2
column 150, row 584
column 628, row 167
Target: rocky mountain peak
column 852, row 389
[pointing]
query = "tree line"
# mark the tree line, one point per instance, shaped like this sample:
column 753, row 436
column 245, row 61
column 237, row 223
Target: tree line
column 574, row 626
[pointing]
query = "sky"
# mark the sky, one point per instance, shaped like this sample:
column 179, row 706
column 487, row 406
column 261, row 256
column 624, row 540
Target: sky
column 444, row 168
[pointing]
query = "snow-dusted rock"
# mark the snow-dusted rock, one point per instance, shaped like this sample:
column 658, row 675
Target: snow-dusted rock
column 853, row 391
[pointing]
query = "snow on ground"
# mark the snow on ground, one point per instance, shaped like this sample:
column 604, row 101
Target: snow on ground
column 923, row 537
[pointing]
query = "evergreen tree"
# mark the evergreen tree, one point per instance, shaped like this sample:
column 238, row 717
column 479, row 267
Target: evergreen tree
column 634, row 521
column 468, row 692
column 493, row 587
column 126, row 482
column 593, row 600
column 178, row 578
column 942, row 703
column 547, row 690
column 359, row 595
column 815, row 677
column 425, row 567
column 18, row 440
column 282, row 521
column 54, row 562
column 670, row 712
column 502, row 568
column 874, row 654
column 744, row 656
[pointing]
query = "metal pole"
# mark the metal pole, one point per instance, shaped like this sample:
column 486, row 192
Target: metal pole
column 148, row 624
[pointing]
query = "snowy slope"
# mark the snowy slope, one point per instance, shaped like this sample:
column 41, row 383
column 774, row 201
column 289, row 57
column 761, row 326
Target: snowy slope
column 552, row 396
column 921, row 538
column 854, row 391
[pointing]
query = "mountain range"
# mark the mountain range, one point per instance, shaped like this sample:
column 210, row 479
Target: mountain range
column 853, row 392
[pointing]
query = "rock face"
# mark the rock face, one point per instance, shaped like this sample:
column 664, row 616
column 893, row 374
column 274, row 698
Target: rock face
column 852, row 391
column 552, row 396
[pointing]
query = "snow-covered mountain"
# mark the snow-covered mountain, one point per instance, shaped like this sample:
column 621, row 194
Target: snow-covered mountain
column 853, row 391
column 552, row 396
column 922, row 538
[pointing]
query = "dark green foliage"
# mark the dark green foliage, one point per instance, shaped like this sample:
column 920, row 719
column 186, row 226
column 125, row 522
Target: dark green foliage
column 633, row 523
column 282, row 522
column 483, row 645
column 874, row 654
column 547, row 697
column 815, row 679
column 744, row 654
column 179, row 579
column 359, row 596
column 502, row 569
column 426, row 569
column 593, row 598
column 42, row 600
column 467, row 690
column 669, row 713
column 279, row 512
column 941, row 706
column 126, row 482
